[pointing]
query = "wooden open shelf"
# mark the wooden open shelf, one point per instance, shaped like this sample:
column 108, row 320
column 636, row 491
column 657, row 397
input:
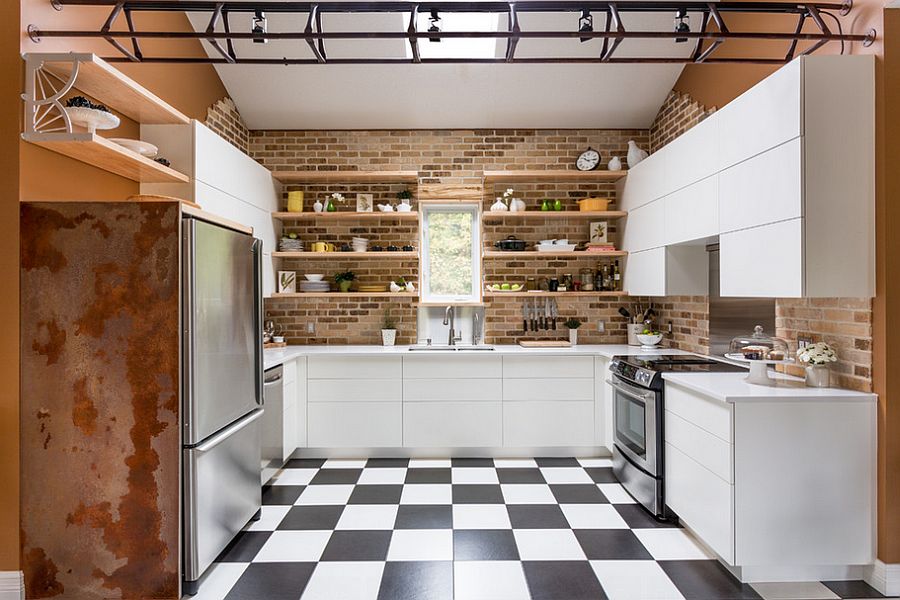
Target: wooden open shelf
column 346, row 176
column 554, row 294
column 347, row 295
column 347, row 255
column 559, row 175
column 553, row 214
column 342, row 216
column 509, row 255
column 96, row 150
column 99, row 79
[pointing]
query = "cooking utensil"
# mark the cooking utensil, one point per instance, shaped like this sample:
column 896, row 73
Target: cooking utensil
column 511, row 243
column 534, row 315
column 593, row 204
column 554, row 312
column 624, row 312
column 524, row 317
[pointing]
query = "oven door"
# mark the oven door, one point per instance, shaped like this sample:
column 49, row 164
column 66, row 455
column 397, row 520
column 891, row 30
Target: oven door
column 635, row 424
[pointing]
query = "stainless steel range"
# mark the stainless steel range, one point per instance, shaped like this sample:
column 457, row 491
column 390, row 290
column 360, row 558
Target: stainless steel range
column 638, row 420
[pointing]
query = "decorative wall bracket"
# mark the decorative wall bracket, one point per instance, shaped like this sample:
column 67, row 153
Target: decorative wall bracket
column 44, row 90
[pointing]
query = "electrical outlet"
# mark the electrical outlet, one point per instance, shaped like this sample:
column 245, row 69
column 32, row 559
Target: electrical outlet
column 803, row 341
column 669, row 328
column 601, row 326
column 311, row 327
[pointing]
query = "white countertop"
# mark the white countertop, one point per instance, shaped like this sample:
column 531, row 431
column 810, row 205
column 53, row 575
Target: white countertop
column 733, row 387
column 276, row 356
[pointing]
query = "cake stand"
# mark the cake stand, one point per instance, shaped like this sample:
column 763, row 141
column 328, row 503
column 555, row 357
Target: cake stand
column 759, row 369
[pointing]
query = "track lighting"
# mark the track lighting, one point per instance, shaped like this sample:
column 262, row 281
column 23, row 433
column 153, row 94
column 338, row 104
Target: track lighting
column 435, row 19
column 586, row 24
column 259, row 27
column 682, row 24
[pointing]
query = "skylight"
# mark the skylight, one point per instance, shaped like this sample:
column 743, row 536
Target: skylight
column 459, row 48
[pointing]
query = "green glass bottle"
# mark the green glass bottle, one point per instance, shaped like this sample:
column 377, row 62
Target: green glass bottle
column 557, row 205
column 545, row 205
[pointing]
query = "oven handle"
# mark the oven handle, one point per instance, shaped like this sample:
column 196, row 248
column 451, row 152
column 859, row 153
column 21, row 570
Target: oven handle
column 632, row 391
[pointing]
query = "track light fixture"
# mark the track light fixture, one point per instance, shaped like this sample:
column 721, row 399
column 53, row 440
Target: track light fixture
column 259, row 27
column 586, row 24
column 435, row 19
column 682, row 24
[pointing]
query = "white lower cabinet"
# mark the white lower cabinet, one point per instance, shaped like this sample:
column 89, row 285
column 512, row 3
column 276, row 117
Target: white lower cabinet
column 542, row 423
column 603, row 423
column 301, row 402
column 355, row 424
column 452, row 424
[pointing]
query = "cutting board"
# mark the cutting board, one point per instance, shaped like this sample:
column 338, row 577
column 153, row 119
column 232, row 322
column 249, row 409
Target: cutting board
column 545, row 343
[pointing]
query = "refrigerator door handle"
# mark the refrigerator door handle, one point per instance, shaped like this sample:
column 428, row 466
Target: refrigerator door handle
column 257, row 289
column 187, row 324
column 227, row 433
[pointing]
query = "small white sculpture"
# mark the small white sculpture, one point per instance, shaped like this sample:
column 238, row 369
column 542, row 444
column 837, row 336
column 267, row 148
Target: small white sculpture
column 385, row 208
column 517, row 205
column 410, row 287
column 499, row 206
column 318, row 206
column 396, row 288
column 404, row 205
column 635, row 154
column 615, row 164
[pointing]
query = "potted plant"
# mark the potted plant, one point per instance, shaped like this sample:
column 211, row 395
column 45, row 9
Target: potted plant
column 405, row 199
column 816, row 357
column 388, row 330
column 344, row 280
column 573, row 324
column 333, row 200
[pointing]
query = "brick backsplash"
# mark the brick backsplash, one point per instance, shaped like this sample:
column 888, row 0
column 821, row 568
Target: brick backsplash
column 223, row 118
column 689, row 316
column 449, row 157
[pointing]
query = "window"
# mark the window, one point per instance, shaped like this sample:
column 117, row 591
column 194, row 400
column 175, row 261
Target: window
column 451, row 266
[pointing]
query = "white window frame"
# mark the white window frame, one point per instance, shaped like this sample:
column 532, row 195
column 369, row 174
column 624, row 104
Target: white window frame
column 474, row 210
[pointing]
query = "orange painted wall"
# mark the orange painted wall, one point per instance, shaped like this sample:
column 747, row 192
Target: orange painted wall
column 716, row 85
column 32, row 173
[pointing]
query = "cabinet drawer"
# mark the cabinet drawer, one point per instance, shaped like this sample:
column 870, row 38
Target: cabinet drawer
column 436, row 367
column 430, row 390
column 350, row 390
column 710, row 451
column 764, row 261
column 355, row 424
column 548, row 389
column 289, row 371
column 553, row 423
column 708, row 414
column 355, row 367
column 535, row 367
column 702, row 500
column 765, row 189
column 692, row 213
column 452, row 424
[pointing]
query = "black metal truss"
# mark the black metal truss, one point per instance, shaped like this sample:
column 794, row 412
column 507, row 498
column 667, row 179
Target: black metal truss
column 706, row 39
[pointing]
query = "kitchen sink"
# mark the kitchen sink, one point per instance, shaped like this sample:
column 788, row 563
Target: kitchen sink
column 451, row 348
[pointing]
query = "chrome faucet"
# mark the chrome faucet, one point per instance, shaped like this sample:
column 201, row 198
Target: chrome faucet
column 450, row 319
column 476, row 328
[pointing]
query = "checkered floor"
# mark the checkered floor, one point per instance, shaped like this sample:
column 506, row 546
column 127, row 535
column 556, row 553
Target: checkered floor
column 467, row 529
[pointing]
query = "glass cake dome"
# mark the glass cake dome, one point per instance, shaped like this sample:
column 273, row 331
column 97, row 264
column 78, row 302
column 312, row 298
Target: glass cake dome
column 759, row 350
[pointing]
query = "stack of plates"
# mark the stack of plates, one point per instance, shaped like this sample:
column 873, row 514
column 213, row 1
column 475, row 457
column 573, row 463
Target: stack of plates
column 373, row 288
column 359, row 244
column 286, row 244
column 315, row 286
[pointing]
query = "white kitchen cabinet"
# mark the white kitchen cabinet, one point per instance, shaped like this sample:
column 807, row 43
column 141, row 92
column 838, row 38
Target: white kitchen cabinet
column 776, row 488
column 441, row 390
column 536, row 423
column 570, row 388
column 692, row 156
column 668, row 271
column 645, row 183
column 746, row 198
column 764, row 261
column 692, row 213
column 603, row 395
column 481, row 366
column 355, row 424
column 645, row 227
column 548, row 367
column 354, row 390
column 355, row 367
column 452, row 424
column 301, row 422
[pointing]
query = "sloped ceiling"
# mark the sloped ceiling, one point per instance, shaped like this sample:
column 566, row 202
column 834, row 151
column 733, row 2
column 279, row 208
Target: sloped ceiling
column 447, row 96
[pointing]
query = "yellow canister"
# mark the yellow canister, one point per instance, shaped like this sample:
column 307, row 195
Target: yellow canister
column 295, row 202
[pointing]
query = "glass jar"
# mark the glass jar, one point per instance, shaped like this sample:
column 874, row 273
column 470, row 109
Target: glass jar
column 531, row 284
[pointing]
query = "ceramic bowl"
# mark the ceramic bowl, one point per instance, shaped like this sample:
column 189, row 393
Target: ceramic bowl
column 649, row 340
column 314, row 277
column 562, row 242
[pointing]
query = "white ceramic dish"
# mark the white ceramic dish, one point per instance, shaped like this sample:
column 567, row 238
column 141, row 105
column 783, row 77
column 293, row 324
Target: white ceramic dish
column 314, row 277
column 649, row 341
column 561, row 242
column 555, row 247
column 143, row 148
column 91, row 118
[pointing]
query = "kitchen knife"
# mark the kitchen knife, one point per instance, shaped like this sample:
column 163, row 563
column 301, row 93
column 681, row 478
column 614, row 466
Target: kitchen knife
column 554, row 313
column 547, row 313
column 524, row 316
column 542, row 318
column 534, row 315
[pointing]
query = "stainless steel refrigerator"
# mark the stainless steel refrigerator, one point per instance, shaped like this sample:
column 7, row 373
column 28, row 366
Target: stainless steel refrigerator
column 222, row 374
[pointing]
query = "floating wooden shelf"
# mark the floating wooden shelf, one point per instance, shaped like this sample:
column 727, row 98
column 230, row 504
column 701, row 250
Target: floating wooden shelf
column 346, row 176
column 560, row 175
column 97, row 78
column 509, row 255
column 553, row 214
column 341, row 216
column 346, row 255
column 554, row 294
column 96, row 150
column 342, row 295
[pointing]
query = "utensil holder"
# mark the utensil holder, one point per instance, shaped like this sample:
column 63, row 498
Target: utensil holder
column 633, row 330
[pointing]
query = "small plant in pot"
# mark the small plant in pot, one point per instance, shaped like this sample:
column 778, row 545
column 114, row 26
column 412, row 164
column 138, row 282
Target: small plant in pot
column 344, row 280
column 388, row 330
column 573, row 324
column 816, row 357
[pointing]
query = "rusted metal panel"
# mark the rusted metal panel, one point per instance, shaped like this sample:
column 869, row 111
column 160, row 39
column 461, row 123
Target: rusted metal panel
column 100, row 399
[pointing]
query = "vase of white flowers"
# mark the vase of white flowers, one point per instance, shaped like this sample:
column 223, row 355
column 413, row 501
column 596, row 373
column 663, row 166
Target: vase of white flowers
column 332, row 201
column 817, row 357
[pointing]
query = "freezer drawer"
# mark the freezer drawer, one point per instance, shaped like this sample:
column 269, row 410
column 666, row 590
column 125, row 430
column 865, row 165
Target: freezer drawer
column 221, row 491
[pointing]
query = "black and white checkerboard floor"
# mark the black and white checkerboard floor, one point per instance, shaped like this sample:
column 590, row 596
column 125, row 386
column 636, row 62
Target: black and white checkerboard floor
column 471, row 529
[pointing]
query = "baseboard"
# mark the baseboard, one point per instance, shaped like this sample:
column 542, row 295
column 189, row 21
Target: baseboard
column 885, row 578
column 12, row 585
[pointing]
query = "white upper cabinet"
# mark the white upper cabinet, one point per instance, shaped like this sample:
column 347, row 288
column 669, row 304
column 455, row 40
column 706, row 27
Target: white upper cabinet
column 766, row 115
column 668, row 271
column 645, row 227
column 692, row 156
column 645, row 182
column 692, row 213
column 764, row 261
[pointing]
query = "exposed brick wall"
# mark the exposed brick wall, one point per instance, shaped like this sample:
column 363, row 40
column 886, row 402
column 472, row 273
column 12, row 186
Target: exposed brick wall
column 452, row 157
column 844, row 323
column 678, row 113
column 223, row 118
